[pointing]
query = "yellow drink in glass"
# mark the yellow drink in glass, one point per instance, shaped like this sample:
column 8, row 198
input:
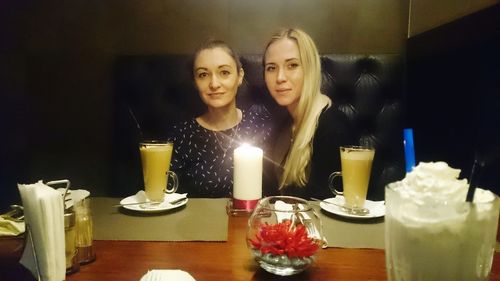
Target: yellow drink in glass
column 356, row 169
column 155, row 157
column 356, row 164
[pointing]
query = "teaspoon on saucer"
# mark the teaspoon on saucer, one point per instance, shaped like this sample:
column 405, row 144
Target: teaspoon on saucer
column 173, row 202
column 358, row 212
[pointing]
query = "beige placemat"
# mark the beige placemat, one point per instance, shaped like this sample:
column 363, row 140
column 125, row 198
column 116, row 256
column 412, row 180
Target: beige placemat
column 349, row 233
column 198, row 220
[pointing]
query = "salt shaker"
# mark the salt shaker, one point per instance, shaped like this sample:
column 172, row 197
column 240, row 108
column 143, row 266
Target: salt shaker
column 72, row 264
column 84, row 235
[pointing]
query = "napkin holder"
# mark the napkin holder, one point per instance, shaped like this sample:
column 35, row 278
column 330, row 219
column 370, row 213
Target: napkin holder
column 72, row 263
column 31, row 244
column 71, row 250
column 70, row 228
column 31, row 258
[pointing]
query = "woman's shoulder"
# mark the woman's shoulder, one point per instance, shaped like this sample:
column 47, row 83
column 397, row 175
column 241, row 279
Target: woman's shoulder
column 334, row 123
column 183, row 127
column 188, row 125
column 333, row 115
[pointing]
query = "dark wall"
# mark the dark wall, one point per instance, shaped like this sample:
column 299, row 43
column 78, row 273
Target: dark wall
column 56, row 66
column 454, row 94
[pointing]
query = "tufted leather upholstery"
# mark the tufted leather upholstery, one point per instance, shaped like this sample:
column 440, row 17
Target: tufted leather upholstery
column 368, row 90
column 159, row 91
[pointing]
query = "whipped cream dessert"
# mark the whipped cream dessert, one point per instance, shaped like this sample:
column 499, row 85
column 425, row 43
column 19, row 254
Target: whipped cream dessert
column 432, row 233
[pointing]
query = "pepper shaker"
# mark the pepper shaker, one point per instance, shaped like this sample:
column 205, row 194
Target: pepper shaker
column 84, row 232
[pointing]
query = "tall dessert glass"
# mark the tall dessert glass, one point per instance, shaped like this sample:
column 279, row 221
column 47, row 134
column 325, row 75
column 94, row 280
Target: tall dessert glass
column 430, row 238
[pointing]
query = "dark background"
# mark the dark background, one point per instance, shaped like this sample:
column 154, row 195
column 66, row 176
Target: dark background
column 453, row 99
column 57, row 62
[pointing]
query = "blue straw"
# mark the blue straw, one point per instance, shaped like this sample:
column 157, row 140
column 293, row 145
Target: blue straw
column 409, row 149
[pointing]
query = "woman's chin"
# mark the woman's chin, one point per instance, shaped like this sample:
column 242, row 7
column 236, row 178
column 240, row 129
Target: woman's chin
column 283, row 102
column 220, row 101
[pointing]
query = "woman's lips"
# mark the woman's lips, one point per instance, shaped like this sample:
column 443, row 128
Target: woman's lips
column 282, row 91
column 216, row 94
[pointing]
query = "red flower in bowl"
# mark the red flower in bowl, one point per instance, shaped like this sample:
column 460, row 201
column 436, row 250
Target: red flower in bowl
column 284, row 239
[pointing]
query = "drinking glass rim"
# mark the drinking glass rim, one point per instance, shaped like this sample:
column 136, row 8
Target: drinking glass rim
column 357, row 147
column 156, row 142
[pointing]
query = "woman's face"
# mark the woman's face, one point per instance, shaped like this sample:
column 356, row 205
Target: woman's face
column 283, row 72
column 216, row 77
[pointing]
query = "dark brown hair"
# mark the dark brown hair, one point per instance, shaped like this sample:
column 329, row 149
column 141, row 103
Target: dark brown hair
column 215, row 43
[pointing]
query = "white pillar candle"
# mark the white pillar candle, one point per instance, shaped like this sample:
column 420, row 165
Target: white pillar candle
column 247, row 173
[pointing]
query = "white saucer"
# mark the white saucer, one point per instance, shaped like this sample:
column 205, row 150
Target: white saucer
column 165, row 205
column 376, row 208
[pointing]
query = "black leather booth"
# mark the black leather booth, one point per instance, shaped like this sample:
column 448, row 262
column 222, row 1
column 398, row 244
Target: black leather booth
column 158, row 90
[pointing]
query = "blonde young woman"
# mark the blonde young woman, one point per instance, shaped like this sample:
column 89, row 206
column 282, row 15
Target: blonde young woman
column 204, row 145
column 307, row 143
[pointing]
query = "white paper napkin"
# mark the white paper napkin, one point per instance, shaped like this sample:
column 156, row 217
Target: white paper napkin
column 44, row 215
column 167, row 275
column 73, row 196
column 11, row 228
column 287, row 209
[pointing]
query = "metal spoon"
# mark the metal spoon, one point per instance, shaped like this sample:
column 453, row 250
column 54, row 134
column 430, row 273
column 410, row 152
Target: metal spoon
column 154, row 205
column 174, row 202
column 358, row 211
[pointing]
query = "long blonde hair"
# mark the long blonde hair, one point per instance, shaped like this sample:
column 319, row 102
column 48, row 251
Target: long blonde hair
column 311, row 104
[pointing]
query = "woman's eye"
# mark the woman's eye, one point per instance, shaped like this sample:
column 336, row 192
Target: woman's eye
column 293, row 65
column 202, row 75
column 225, row 73
column 270, row 68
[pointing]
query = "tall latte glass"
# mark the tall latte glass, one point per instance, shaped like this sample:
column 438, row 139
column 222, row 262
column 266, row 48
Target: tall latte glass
column 155, row 158
column 432, row 233
column 356, row 164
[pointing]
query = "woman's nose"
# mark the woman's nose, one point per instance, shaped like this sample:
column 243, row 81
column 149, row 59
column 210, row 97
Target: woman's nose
column 281, row 76
column 214, row 82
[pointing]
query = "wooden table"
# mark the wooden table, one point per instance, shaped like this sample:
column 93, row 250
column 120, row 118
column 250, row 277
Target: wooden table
column 231, row 260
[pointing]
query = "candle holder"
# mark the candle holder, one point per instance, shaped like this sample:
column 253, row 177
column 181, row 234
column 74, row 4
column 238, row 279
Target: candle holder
column 237, row 207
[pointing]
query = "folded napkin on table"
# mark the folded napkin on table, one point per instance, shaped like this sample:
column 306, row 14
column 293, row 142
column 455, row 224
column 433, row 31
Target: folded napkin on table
column 167, row 275
column 73, row 196
column 287, row 211
column 9, row 227
column 44, row 217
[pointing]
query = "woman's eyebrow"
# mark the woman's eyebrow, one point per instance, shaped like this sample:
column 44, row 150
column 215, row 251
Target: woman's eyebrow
column 224, row 65
column 201, row 68
column 206, row 69
column 287, row 60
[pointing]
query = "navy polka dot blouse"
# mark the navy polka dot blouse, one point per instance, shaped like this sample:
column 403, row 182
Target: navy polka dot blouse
column 203, row 159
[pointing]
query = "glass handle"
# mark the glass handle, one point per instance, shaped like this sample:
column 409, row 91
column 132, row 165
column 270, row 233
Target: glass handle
column 330, row 183
column 175, row 182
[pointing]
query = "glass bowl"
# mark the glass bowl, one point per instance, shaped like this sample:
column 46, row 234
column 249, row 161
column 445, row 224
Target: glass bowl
column 284, row 233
